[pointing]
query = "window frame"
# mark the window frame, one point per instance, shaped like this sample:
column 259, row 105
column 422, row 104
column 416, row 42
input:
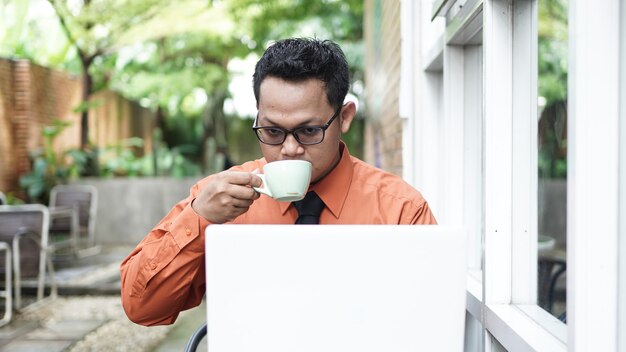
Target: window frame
column 593, row 286
column 502, row 297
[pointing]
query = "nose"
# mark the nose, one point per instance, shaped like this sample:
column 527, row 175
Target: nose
column 291, row 147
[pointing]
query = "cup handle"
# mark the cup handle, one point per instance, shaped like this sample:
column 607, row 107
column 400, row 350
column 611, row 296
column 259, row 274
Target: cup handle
column 263, row 189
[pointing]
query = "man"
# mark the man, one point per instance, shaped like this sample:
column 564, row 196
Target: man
column 300, row 86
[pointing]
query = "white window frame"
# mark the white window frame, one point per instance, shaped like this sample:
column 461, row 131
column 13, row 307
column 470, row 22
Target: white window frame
column 502, row 298
column 509, row 309
column 593, row 175
column 621, row 290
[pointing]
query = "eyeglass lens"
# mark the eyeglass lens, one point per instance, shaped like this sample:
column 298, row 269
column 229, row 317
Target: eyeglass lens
column 304, row 135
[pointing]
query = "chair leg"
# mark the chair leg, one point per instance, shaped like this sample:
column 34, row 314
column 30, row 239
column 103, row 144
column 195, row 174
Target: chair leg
column 8, row 289
column 41, row 279
column 17, row 284
column 75, row 231
column 553, row 281
column 195, row 339
column 45, row 262
column 53, row 282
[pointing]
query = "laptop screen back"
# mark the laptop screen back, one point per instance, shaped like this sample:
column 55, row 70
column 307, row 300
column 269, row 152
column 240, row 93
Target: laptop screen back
column 335, row 288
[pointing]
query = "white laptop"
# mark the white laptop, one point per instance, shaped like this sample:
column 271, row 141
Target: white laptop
column 297, row 288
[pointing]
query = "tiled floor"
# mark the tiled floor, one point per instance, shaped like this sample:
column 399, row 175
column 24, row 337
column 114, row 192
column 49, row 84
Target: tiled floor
column 33, row 337
column 87, row 315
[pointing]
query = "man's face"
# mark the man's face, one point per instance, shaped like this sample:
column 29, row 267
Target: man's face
column 289, row 105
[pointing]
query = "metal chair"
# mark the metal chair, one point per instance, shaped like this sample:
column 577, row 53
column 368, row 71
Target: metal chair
column 194, row 340
column 25, row 227
column 551, row 266
column 7, row 293
column 73, row 213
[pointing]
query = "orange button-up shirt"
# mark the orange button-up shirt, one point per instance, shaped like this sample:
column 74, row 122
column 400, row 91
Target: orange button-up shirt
column 164, row 275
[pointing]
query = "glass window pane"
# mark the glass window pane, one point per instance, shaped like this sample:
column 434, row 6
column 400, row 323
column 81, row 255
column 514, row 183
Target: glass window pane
column 552, row 158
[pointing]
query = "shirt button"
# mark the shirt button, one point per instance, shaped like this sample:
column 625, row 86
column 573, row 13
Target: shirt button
column 187, row 231
column 153, row 265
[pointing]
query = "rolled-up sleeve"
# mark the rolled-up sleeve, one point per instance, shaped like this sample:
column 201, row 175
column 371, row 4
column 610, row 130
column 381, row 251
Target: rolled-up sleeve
column 164, row 274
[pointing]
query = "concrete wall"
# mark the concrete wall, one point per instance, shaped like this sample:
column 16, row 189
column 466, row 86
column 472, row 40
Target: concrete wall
column 553, row 210
column 128, row 208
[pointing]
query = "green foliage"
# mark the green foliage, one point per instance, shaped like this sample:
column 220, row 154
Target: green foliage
column 552, row 87
column 119, row 159
column 122, row 160
column 160, row 74
column 13, row 200
column 174, row 57
column 354, row 137
column 87, row 105
column 243, row 144
column 260, row 23
column 94, row 27
column 29, row 29
column 175, row 161
column 552, row 68
column 50, row 169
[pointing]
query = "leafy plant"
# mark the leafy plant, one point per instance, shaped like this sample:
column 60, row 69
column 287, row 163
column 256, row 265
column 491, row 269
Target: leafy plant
column 121, row 159
column 50, row 169
column 12, row 199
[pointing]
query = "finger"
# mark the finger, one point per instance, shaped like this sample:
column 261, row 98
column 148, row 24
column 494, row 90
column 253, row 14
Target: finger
column 256, row 181
column 243, row 178
column 242, row 203
column 242, row 192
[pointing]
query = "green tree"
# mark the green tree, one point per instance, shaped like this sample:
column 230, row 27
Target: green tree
column 168, row 68
column 174, row 57
column 29, row 30
column 94, row 27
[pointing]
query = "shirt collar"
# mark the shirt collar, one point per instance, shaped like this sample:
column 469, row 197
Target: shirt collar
column 333, row 188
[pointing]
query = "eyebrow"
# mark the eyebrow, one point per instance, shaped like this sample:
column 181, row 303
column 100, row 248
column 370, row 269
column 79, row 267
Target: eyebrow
column 304, row 123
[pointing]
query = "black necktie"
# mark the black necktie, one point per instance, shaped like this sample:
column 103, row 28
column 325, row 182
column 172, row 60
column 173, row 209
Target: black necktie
column 309, row 209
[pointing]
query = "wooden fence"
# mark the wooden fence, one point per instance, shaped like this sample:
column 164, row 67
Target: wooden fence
column 31, row 96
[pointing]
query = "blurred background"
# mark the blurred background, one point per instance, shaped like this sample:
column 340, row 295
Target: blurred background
column 144, row 87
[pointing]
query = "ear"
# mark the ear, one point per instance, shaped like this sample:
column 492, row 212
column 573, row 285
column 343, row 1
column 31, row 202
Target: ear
column 348, row 113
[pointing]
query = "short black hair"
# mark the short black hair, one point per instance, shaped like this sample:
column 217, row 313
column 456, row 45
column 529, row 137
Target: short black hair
column 299, row 59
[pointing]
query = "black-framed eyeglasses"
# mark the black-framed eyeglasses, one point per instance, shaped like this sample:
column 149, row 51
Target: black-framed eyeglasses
column 306, row 135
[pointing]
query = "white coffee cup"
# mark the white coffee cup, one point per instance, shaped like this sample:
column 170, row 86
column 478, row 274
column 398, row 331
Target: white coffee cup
column 285, row 180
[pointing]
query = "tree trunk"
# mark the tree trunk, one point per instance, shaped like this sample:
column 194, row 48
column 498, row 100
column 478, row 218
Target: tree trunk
column 157, row 138
column 214, row 134
column 84, row 115
column 92, row 166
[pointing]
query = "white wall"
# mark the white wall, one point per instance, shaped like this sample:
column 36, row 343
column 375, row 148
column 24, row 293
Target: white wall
column 128, row 208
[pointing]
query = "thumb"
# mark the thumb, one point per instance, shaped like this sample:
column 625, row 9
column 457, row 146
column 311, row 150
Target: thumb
column 256, row 181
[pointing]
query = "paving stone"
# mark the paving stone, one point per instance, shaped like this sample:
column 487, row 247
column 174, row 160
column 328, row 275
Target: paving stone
column 37, row 346
column 16, row 328
column 89, row 320
column 64, row 330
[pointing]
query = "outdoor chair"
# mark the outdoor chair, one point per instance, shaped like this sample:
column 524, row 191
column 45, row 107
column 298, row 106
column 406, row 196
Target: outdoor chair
column 7, row 293
column 73, row 218
column 196, row 338
column 25, row 228
column 552, row 265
